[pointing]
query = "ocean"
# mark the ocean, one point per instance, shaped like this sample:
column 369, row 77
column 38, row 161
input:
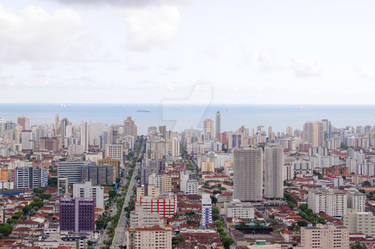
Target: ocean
column 180, row 117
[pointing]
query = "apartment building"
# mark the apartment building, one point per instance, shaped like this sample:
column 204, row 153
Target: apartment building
column 240, row 210
column 325, row 237
column 360, row 222
column 331, row 201
column 149, row 237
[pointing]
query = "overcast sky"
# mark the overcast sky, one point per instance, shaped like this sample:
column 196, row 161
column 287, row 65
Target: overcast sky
column 195, row 51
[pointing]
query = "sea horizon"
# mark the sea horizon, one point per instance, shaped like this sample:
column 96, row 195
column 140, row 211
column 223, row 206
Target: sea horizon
column 185, row 116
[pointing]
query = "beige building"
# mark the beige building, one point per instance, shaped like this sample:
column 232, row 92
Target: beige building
column 360, row 222
column 208, row 165
column 149, row 237
column 208, row 127
column 114, row 151
column 150, row 190
column 166, row 183
column 313, row 133
column 140, row 218
column 325, row 237
column 248, row 174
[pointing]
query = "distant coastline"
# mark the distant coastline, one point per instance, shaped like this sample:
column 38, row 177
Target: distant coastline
column 190, row 116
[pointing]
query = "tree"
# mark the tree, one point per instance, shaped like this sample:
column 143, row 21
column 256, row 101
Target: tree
column 302, row 223
column 5, row 229
column 227, row 242
column 357, row 246
column 215, row 213
column 366, row 184
column 178, row 239
column 112, row 193
column 100, row 223
column 26, row 209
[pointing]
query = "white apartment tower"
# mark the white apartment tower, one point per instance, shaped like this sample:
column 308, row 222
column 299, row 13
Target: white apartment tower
column 273, row 172
column 218, row 126
column 84, row 136
column 86, row 190
column 331, row 201
column 206, row 217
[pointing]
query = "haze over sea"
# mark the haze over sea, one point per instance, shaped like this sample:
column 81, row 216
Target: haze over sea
column 181, row 117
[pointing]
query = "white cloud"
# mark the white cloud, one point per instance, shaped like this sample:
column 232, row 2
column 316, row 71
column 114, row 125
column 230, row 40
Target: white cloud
column 364, row 72
column 268, row 62
column 305, row 68
column 33, row 34
column 151, row 26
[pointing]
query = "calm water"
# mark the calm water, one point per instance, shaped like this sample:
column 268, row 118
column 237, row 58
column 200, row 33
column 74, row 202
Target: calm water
column 180, row 117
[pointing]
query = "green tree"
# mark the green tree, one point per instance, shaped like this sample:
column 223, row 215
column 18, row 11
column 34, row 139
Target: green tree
column 26, row 209
column 366, row 184
column 227, row 242
column 112, row 193
column 5, row 229
column 357, row 246
column 215, row 213
column 213, row 199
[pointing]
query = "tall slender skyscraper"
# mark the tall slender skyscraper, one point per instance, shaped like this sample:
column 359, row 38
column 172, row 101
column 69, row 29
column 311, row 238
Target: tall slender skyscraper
column 273, row 178
column 218, row 126
column 248, row 174
column 84, row 136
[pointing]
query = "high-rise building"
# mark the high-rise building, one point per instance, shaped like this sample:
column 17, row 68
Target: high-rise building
column 208, row 128
column 30, row 177
column 165, row 205
column 206, row 217
column 330, row 201
column 130, row 129
column 163, row 131
column 324, row 237
column 218, row 126
column 86, row 190
column 71, row 170
column 273, row 172
column 62, row 186
column 313, row 133
column 141, row 218
column 115, row 151
column 98, row 175
column 360, row 222
column 166, row 183
column 356, row 201
column 112, row 162
column 248, row 174
column 327, row 128
column 77, row 215
column 27, row 140
column 84, row 136
column 24, row 122
column 149, row 237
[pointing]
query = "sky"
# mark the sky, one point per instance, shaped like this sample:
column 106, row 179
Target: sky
column 187, row 51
